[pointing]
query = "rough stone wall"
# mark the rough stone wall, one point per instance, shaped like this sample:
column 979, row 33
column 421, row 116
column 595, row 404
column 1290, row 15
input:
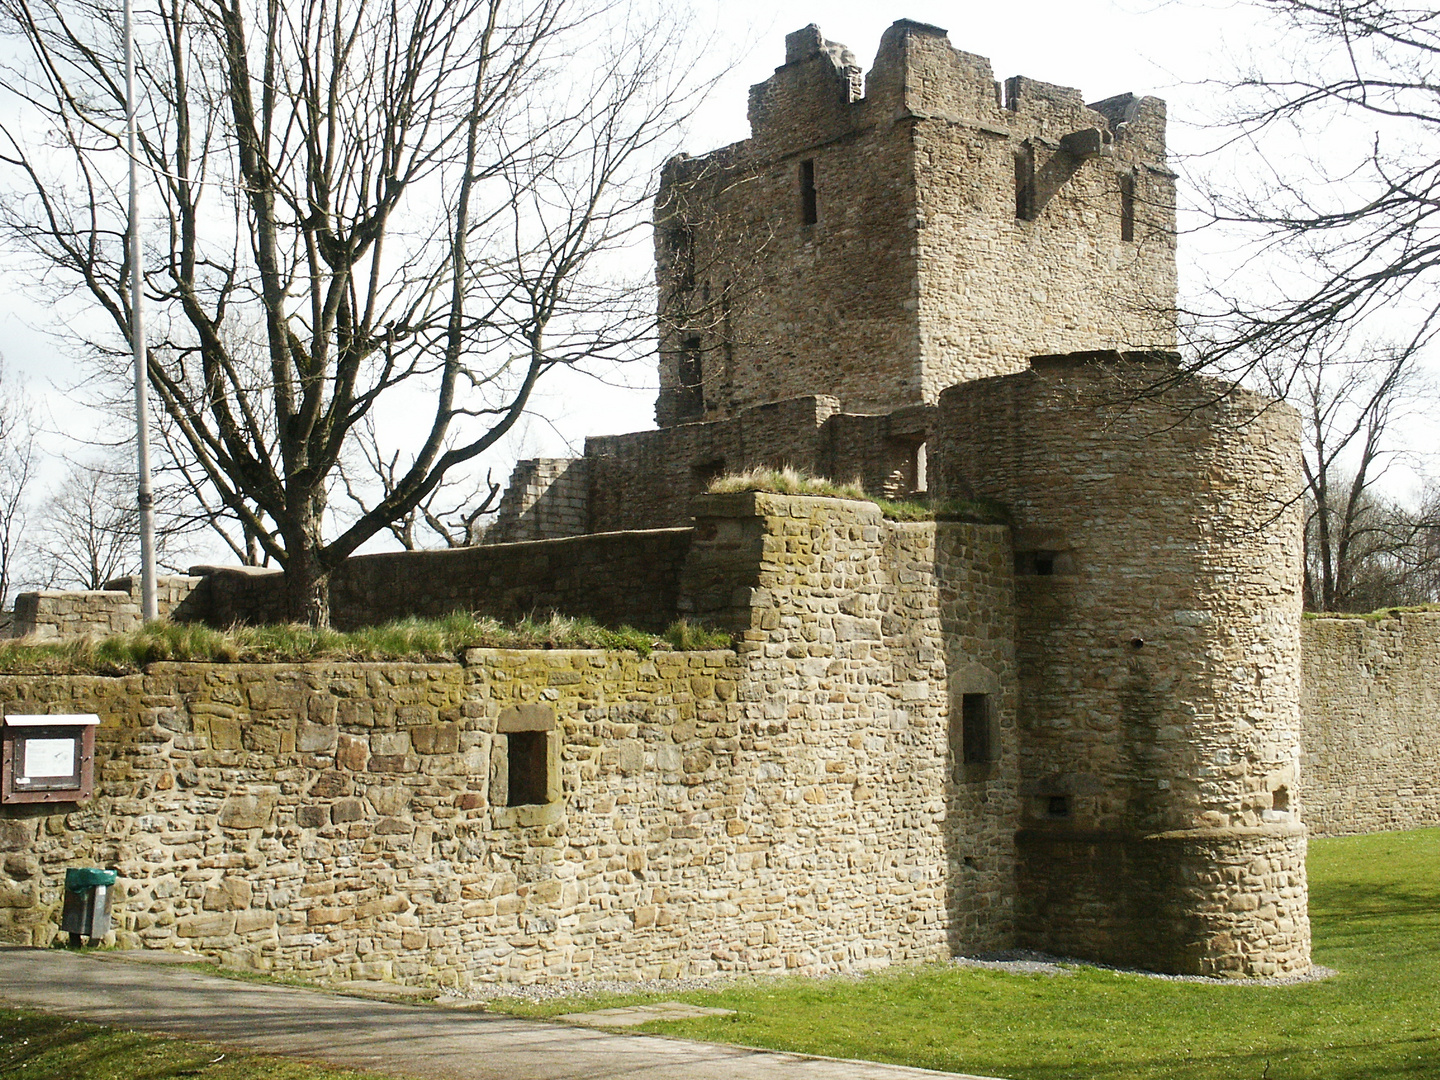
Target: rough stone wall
column 547, row 498
column 1157, row 557
column 613, row 578
column 795, row 805
column 921, row 268
column 648, row 479
column 876, row 628
column 774, row 307
column 995, row 287
column 53, row 615
column 1371, row 709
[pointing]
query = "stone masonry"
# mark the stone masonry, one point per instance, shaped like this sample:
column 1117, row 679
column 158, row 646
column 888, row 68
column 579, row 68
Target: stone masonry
column 1372, row 723
column 1079, row 731
column 797, row 804
column 881, row 237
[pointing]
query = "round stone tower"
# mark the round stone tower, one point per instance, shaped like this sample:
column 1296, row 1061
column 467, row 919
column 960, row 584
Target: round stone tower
column 1156, row 525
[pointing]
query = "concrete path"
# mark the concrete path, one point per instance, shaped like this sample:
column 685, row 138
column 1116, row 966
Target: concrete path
column 401, row 1040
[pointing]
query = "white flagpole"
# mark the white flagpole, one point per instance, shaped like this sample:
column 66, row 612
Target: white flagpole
column 145, row 498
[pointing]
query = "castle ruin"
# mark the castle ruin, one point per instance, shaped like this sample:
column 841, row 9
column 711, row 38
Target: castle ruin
column 1077, row 731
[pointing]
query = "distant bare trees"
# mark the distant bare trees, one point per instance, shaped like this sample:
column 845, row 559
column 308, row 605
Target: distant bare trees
column 18, row 461
column 400, row 212
column 90, row 530
column 1363, row 549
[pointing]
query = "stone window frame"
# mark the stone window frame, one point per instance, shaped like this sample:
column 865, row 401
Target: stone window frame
column 527, row 719
column 974, row 681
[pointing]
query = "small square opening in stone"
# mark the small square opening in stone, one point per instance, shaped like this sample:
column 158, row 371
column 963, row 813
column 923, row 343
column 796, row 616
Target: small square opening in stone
column 1058, row 806
column 528, row 760
column 1037, row 563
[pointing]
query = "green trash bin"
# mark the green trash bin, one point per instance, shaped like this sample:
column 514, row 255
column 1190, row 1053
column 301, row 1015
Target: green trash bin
column 87, row 903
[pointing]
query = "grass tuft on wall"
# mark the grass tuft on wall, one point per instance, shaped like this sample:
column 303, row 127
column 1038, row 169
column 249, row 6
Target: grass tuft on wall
column 789, row 481
column 288, row 643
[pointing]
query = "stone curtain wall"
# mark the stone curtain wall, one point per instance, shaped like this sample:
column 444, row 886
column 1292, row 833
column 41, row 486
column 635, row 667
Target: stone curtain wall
column 1371, row 709
column 648, row 479
column 53, row 615
column 629, row 578
column 339, row 819
column 864, row 780
column 794, row 806
column 874, row 628
column 1157, row 588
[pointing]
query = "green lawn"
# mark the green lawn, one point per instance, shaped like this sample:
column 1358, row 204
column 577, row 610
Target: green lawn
column 1375, row 911
column 34, row 1046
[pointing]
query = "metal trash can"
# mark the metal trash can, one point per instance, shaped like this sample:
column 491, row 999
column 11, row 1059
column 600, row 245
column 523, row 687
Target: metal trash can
column 87, row 903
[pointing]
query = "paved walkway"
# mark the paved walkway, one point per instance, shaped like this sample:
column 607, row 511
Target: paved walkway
column 402, row 1040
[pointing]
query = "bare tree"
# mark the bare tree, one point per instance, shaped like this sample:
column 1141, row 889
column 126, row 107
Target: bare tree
column 1330, row 163
column 453, row 512
column 17, row 476
column 383, row 210
column 90, row 529
column 1350, row 397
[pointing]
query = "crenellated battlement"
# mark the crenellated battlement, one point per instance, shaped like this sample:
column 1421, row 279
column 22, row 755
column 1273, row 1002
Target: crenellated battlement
column 884, row 236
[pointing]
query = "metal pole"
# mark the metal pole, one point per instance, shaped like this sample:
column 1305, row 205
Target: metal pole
column 145, row 498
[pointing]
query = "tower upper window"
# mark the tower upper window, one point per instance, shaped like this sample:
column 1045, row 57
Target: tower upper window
column 809, row 204
column 1127, row 208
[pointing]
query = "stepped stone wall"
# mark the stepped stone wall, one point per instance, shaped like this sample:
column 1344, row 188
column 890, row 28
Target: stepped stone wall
column 793, row 805
column 546, row 498
column 1371, row 708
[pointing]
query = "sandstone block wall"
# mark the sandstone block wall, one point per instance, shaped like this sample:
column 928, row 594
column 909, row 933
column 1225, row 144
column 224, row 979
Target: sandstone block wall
column 1371, row 709
column 871, row 238
column 794, row 805
column 649, row 479
column 615, row 579
column 1158, row 645
column 547, row 498
column 53, row 615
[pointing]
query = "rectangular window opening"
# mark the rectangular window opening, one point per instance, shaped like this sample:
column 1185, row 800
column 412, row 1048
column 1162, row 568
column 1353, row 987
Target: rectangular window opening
column 692, row 378
column 809, row 203
column 1025, row 183
column 1127, row 208
column 978, row 738
column 1038, row 563
column 1058, row 806
column 528, row 758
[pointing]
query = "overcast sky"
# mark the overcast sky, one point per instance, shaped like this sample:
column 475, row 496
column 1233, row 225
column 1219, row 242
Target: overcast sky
column 1099, row 46
column 1102, row 47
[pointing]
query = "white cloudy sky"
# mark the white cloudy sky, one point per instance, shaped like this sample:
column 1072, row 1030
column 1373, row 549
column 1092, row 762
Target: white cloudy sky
column 1103, row 47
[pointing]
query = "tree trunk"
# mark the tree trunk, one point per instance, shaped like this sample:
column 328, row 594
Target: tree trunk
column 307, row 587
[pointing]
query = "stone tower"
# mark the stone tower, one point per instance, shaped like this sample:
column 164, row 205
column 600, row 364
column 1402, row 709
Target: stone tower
column 879, row 239
column 1157, row 597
